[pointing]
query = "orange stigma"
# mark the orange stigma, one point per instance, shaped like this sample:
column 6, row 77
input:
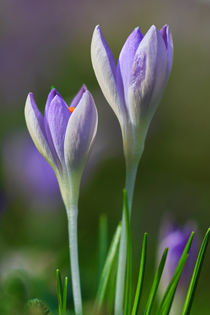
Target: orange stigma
column 71, row 109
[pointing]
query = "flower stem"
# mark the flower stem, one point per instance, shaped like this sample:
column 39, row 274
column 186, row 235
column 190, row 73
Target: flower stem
column 73, row 248
column 119, row 292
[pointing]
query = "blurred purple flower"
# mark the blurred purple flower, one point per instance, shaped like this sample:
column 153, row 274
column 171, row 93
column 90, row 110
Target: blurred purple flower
column 175, row 237
column 28, row 174
column 134, row 86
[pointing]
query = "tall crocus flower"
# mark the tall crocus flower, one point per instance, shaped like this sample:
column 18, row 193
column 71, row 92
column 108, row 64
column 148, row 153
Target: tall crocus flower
column 175, row 238
column 64, row 136
column 133, row 89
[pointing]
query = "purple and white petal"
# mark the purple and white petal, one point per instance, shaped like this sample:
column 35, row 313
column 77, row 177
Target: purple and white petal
column 57, row 117
column 167, row 37
column 105, row 71
column 35, row 124
column 80, row 133
column 148, row 76
column 126, row 59
column 50, row 97
column 78, row 96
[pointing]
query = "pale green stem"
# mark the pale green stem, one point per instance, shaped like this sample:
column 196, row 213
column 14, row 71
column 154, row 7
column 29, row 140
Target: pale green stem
column 72, row 213
column 120, row 284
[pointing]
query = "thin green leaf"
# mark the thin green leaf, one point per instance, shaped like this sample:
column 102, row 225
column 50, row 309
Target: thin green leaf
column 141, row 276
column 59, row 291
column 195, row 276
column 108, row 267
column 156, row 283
column 175, row 276
column 65, row 291
column 111, row 288
column 166, row 307
column 103, row 241
column 128, row 281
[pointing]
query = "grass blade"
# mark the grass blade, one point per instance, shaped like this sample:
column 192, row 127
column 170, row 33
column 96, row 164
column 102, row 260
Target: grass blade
column 59, row 291
column 103, row 241
column 170, row 291
column 166, row 306
column 128, row 281
column 65, row 291
column 108, row 267
column 141, row 276
column 156, row 283
column 111, row 288
column 195, row 276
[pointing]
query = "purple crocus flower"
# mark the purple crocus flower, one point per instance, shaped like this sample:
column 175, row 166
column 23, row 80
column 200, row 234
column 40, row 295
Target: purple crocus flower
column 134, row 86
column 133, row 89
column 175, row 238
column 64, row 136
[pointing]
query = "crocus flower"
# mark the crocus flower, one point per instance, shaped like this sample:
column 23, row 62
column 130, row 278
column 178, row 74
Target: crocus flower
column 134, row 86
column 133, row 89
column 64, row 136
column 175, row 238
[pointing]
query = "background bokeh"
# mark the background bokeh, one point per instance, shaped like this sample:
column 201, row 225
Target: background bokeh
column 45, row 43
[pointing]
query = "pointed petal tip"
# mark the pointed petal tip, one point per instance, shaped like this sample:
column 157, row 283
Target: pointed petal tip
column 30, row 100
column 137, row 32
column 30, row 96
column 83, row 88
column 98, row 28
column 166, row 26
column 53, row 92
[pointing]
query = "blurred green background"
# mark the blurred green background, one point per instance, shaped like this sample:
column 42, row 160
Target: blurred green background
column 45, row 43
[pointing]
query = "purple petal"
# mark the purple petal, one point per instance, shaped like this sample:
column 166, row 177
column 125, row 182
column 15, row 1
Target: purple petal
column 167, row 37
column 175, row 237
column 148, row 76
column 50, row 97
column 105, row 71
column 57, row 118
column 126, row 58
column 35, row 124
column 78, row 97
column 80, row 133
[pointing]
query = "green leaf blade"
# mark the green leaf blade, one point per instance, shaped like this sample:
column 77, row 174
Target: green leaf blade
column 59, row 291
column 170, row 291
column 107, row 268
column 195, row 276
column 140, row 276
column 128, row 281
column 156, row 283
column 65, row 292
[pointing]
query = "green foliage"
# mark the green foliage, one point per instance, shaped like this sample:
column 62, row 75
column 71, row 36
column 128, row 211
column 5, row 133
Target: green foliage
column 61, row 293
column 128, row 280
column 156, row 282
column 140, row 277
column 195, row 276
column 108, row 268
column 103, row 241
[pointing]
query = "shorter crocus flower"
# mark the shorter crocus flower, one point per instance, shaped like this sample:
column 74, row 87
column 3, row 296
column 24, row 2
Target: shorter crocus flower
column 175, row 238
column 64, row 136
column 133, row 89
